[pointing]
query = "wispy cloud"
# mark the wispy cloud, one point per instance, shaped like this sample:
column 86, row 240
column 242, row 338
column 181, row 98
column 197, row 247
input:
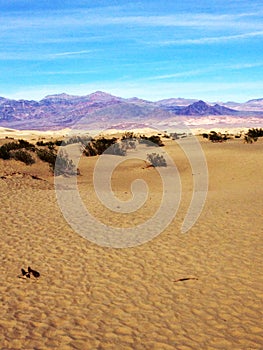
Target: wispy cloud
column 202, row 71
column 77, row 18
column 70, row 53
column 209, row 40
column 185, row 20
column 37, row 56
column 245, row 65
column 183, row 74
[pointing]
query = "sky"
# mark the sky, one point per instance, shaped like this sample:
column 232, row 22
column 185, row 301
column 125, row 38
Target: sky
column 210, row 50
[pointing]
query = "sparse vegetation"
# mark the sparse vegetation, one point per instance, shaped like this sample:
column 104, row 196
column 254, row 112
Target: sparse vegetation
column 64, row 165
column 216, row 136
column 22, row 156
column 117, row 149
column 252, row 135
column 25, row 144
column 156, row 160
column 20, row 150
column 84, row 140
column 5, row 152
column 104, row 145
column 7, row 149
column 50, row 144
column 48, row 156
column 154, row 139
column 129, row 140
column 59, row 163
column 166, row 136
column 128, row 135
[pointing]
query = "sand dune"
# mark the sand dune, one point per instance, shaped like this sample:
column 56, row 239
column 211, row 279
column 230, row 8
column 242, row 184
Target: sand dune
column 92, row 297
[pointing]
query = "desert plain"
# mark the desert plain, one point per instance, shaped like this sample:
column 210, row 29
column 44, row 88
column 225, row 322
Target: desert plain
column 180, row 291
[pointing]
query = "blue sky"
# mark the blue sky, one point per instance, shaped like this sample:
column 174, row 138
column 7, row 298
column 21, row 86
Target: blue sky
column 212, row 50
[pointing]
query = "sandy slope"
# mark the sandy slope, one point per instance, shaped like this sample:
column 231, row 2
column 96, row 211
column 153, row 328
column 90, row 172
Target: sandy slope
column 90, row 297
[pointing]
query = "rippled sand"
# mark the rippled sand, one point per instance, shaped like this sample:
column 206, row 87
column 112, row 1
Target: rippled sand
column 92, row 297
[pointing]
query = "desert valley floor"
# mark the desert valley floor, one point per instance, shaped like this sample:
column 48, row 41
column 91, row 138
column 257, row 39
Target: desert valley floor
column 93, row 297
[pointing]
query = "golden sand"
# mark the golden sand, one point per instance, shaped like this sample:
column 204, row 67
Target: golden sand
column 92, row 297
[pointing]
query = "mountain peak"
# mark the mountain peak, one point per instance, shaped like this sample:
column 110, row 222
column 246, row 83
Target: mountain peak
column 199, row 108
column 62, row 96
column 102, row 96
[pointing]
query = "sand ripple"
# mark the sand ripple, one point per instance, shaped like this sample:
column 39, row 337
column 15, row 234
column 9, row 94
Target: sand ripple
column 89, row 297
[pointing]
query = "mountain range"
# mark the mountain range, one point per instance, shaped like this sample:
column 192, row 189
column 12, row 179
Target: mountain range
column 101, row 110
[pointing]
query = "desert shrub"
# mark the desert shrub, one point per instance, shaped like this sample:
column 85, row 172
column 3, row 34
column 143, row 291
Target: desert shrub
column 90, row 150
column 130, row 144
column 58, row 142
column 10, row 146
column 7, row 148
column 48, row 156
column 129, row 140
column 156, row 160
column 143, row 139
column 49, row 144
column 154, row 139
column 253, row 135
column 60, row 164
column 215, row 137
column 174, row 135
column 23, row 156
column 25, row 144
column 103, row 145
column 41, row 143
column 64, row 165
column 84, row 140
column 117, row 149
column 128, row 135
column 255, row 132
column 248, row 139
column 218, row 137
column 5, row 152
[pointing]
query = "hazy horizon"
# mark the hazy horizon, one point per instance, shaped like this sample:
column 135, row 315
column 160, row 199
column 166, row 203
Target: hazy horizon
column 124, row 97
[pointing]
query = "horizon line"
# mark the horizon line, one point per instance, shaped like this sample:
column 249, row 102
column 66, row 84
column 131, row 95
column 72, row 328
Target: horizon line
column 125, row 98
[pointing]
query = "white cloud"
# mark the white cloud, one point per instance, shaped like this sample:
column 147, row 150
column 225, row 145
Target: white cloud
column 201, row 71
column 179, row 74
column 31, row 55
column 210, row 40
column 77, row 18
column 70, row 53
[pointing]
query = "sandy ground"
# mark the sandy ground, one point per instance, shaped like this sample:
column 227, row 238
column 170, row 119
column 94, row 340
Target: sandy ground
column 93, row 297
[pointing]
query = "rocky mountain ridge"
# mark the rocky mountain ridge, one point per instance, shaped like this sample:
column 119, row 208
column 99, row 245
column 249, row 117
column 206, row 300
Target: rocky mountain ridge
column 101, row 109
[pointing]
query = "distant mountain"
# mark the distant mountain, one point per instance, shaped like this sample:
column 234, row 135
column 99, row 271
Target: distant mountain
column 201, row 108
column 100, row 110
column 176, row 102
column 255, row 105
column 257, row 100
